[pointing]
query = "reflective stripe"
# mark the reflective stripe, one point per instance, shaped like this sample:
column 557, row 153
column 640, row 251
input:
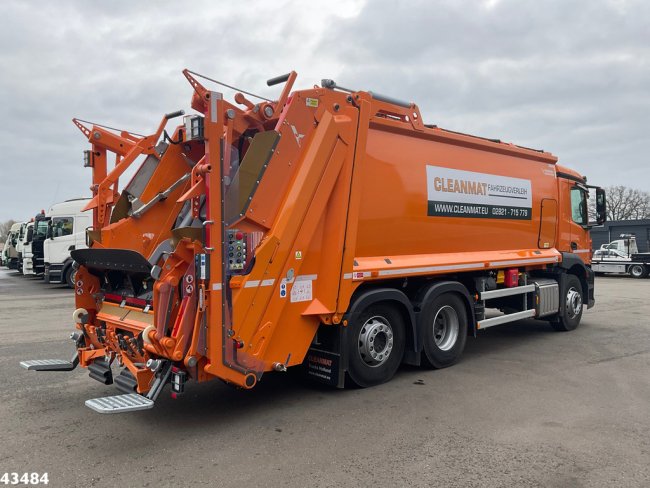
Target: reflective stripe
column 447, row 267
column 581, row 250
column 268, row 282
column 427, row 269
column 252, row 284
column 216, row 286
column 311, row 277
column 524, row 261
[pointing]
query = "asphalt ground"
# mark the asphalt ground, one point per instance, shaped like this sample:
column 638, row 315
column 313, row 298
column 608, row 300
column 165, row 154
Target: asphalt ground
column 526, row 406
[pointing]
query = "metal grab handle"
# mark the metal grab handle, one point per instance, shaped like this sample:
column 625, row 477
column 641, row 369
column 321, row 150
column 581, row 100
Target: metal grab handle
column 278, row 79
column 172, row 115
column 392, row 100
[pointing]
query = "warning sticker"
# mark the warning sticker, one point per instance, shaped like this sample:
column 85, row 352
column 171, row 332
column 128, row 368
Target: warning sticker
column 311, row 102
column 301, row 291
column 283, row 288
column 457, row 193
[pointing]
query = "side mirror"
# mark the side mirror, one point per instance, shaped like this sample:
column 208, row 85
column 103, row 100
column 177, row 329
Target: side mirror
column 30, row 235
column 601, row 206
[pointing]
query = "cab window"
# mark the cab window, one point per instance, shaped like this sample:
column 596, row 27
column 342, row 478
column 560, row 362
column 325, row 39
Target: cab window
column 61, row 226
column 578, row 206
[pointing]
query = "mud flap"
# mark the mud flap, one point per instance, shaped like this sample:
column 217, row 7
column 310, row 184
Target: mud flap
column 326, row 360
column 324, row 367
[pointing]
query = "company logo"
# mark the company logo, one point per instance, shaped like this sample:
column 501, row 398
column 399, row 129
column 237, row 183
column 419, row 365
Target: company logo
column 297, row 135
column 457, row 193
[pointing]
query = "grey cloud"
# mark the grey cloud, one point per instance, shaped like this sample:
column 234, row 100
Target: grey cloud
column 569, row 77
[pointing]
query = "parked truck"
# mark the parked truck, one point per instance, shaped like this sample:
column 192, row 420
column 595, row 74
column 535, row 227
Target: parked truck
column 330, row 229
column 10, row 249
column 622, row 256
column 33, row 245
column 20, row 244
column 65, row 228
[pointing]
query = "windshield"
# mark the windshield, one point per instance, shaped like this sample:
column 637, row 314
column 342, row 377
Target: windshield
column 41, row 229
column 578, row 206
column 60, row 226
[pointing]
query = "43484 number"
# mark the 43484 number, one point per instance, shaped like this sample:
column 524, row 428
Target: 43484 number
column 24, row 479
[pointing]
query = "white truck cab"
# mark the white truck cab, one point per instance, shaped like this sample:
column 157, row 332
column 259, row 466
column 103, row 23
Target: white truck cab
column 66, row 232
column 627, row 245
column 10, row 250
column 22, row 235
column 27, row 265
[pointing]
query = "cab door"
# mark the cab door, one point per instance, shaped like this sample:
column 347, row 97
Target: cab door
column 82, row 222
column 62, row 239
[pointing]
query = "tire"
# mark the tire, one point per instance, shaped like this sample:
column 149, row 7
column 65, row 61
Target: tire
column 445, row 330
column 68, row 277
column 375, row 345
column 573, row 298
column 638, row 271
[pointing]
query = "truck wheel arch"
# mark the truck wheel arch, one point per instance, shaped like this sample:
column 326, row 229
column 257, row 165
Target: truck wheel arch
column 576, row 266
column 67, row 264
column 430, row 291
column 368, row 297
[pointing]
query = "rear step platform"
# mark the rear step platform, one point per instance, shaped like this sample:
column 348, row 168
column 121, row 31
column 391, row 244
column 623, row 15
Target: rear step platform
column 120, row 403
column 131, row 402
column 50, row 364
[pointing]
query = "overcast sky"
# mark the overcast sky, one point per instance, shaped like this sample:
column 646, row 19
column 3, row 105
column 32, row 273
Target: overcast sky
column 570, row 77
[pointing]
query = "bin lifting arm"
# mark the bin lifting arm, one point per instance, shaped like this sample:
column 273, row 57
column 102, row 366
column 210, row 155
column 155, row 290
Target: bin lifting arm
column 127, row 148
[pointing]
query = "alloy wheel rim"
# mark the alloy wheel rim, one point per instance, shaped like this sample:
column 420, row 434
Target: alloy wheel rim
column 573, row 303
column 375, row 341
column 446, row 326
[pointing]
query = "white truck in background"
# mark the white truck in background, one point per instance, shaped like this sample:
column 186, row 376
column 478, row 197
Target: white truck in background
column 626, row 245
column 20, row 245
column 66, row 232
column 10, row 252
column 33, row 245
column 27, row 267
column 621, row 256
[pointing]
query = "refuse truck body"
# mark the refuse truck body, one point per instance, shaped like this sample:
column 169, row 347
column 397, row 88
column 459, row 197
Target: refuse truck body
column 329, row 229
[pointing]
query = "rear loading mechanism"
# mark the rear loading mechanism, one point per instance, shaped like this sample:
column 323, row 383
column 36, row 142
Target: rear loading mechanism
column 310, row 231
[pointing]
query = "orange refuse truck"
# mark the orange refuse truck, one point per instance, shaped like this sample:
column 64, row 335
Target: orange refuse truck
column 330, row 229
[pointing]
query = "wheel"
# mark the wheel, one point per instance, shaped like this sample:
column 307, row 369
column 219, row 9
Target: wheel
column 445, row 330
column 638, row 271
column 375, row 345
column 68, row 276
column 573, row 300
